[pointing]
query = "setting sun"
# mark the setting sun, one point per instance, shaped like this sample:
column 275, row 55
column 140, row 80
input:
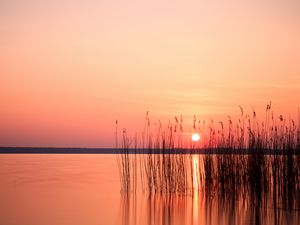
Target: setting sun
column 195, row 137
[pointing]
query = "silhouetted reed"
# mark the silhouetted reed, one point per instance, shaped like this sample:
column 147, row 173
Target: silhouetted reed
column 258, row 159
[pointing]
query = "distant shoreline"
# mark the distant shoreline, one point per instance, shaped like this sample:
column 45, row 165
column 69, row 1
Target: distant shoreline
column 52, row 150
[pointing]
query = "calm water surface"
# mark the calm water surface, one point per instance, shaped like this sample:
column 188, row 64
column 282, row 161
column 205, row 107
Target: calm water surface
column 85, row 189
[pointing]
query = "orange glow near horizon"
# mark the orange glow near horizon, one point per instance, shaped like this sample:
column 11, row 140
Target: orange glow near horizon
column 68, row 71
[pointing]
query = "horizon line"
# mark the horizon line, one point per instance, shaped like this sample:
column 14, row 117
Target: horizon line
column 191, row 151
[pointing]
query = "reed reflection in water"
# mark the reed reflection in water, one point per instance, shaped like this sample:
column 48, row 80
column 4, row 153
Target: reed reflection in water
column 207, row 203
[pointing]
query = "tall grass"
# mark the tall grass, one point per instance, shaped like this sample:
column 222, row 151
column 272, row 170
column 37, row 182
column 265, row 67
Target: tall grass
column 258, row 159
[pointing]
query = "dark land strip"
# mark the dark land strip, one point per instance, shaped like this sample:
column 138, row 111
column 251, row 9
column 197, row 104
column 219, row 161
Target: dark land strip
column 47, row 150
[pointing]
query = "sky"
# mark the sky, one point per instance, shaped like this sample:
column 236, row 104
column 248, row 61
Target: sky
column 69, row 69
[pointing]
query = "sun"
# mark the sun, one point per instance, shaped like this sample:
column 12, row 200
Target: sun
column 195, row 137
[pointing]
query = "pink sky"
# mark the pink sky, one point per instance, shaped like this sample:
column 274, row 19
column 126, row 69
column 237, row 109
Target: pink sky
column 68, row 69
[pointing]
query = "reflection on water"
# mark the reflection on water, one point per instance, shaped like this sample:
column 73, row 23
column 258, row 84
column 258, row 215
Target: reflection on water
column 195, row 175
column 85, row 189
column 200, row 208
column 207, row 206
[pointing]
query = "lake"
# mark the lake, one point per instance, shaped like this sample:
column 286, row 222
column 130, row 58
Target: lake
column 85, row 189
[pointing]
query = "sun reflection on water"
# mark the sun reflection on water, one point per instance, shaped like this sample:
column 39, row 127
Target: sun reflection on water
column 195, row 172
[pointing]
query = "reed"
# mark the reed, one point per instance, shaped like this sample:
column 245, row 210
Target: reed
column 258, row 159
